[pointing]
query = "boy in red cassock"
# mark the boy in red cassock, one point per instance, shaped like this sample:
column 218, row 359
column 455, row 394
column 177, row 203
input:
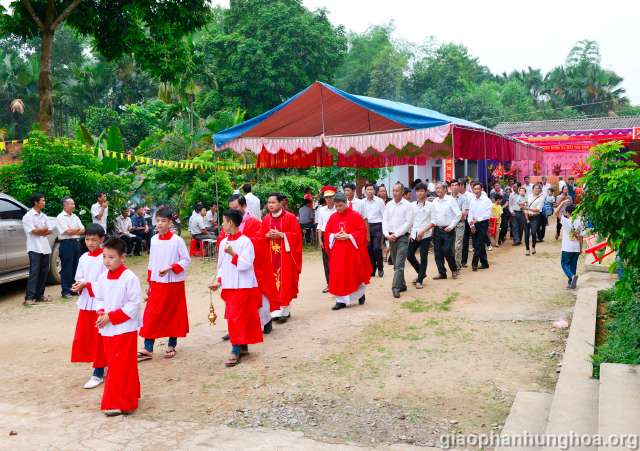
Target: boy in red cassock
column 284, row 251
column 251, row 227
column 87, row 343
column 240, row 290
column 345, row 238
column 166, row 312
column 118, row 302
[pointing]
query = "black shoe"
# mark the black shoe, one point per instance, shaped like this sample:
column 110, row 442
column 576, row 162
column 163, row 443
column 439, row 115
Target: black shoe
column 474, row 268
column 268, row 327
column 362, row 299
column 396, row 293
column 402, row 290
column 67, row 295
column 381, row 273
column 373, row 274
column 440, row 277
column 484, row 267
column 464, row 265
column 244, row 349
column 338, row 306
column 284, row 319
column 225, row 337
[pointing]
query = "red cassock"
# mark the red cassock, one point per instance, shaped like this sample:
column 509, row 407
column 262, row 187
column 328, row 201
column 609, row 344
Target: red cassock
column 241, row 313
column 283, row 267
column 87, row 342
column 122, row 385
column 252, row 228
column 348, row 267
column 166, row 312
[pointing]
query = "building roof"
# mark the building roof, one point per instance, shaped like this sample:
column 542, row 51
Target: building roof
column 595, row 123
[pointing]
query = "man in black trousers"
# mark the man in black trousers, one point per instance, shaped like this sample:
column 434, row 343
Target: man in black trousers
column 445, row 214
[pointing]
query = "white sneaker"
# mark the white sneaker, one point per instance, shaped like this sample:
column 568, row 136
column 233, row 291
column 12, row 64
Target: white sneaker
column 276, row 314
column 285, row 311
column 93, row 382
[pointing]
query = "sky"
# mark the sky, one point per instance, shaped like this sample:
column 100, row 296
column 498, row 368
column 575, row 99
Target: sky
column 507, row 35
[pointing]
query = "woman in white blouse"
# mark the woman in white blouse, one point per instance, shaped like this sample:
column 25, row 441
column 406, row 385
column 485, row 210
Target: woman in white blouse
column 532, row 210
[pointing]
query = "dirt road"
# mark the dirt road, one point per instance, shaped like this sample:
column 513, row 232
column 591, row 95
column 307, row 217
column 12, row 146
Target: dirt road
column 448, row 358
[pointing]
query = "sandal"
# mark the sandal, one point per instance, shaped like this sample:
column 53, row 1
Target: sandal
column 144, row 355
column 233, row 360
column 170, row 353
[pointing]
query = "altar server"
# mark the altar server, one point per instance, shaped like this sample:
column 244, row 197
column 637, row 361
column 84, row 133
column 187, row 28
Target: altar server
column 166, row 312
column 87, row 343
column 239, row 285
column 118, row 302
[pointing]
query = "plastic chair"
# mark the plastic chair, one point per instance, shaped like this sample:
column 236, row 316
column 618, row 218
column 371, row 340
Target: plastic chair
column 195, row 249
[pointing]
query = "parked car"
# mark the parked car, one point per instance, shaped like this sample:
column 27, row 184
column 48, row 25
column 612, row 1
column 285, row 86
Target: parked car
column 14, row 260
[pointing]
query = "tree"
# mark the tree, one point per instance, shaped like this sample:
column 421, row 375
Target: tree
column 267, row 50
column 374, row 64
column 583, row 84
column 150, row 30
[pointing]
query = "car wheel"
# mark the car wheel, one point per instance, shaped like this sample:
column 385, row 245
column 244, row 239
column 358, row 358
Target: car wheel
column 55, row 266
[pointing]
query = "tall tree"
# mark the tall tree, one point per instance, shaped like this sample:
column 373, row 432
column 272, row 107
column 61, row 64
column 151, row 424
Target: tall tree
column 150, row 30
column 374, row 64
column 266, row 50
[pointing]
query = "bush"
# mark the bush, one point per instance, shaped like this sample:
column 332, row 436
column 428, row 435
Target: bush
column 101, row 118
column 62, row 168
column 292, row 186
column 622, row 329
column 204, row 190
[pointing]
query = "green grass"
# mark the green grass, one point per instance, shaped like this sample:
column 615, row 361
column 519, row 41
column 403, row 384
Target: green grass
column 445, row 305
column 422, row 306
column 622, row 328
column 416, row 306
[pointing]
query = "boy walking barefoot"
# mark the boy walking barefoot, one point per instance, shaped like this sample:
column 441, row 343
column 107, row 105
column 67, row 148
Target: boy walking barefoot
column 118, row 302
column 87, row 342
column 166, row 312
column 240, row 290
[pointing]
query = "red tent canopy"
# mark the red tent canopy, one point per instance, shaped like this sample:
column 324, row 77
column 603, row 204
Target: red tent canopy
column 321, row 121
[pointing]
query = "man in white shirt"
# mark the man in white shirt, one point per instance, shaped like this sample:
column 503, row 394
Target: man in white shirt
column 100, row 210
column 528, row 185
column 373, row 212
column 211, row 219
column 420, row 236
column 445, row 215
column 353, row 202
column 324, row 213
column 430, row 186
column 123, row 227
column 396, row 225
column 480, row 209
column 459, row 193
column 561, row 184
column 35, row 226
column 70, row 231
column 253, row 202
column 197, row 227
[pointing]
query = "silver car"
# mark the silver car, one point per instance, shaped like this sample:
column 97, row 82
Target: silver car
column 14, row 260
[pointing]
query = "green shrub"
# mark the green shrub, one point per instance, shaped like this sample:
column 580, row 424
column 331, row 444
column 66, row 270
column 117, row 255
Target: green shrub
column 204, row 190
column 101, row 118
column 62, row 168
column 622, row 329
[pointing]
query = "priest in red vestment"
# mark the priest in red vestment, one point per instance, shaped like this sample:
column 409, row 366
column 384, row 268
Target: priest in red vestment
column 251, row 227
column 345, row 237
column 284, row 249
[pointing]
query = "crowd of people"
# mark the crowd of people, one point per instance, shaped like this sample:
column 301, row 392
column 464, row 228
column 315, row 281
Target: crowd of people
column 260, row 259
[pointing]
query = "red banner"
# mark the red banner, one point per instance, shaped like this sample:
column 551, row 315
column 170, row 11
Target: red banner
column 448, row 169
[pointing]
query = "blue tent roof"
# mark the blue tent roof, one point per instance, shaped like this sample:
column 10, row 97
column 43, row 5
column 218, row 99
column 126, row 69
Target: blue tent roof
column 408, row 116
